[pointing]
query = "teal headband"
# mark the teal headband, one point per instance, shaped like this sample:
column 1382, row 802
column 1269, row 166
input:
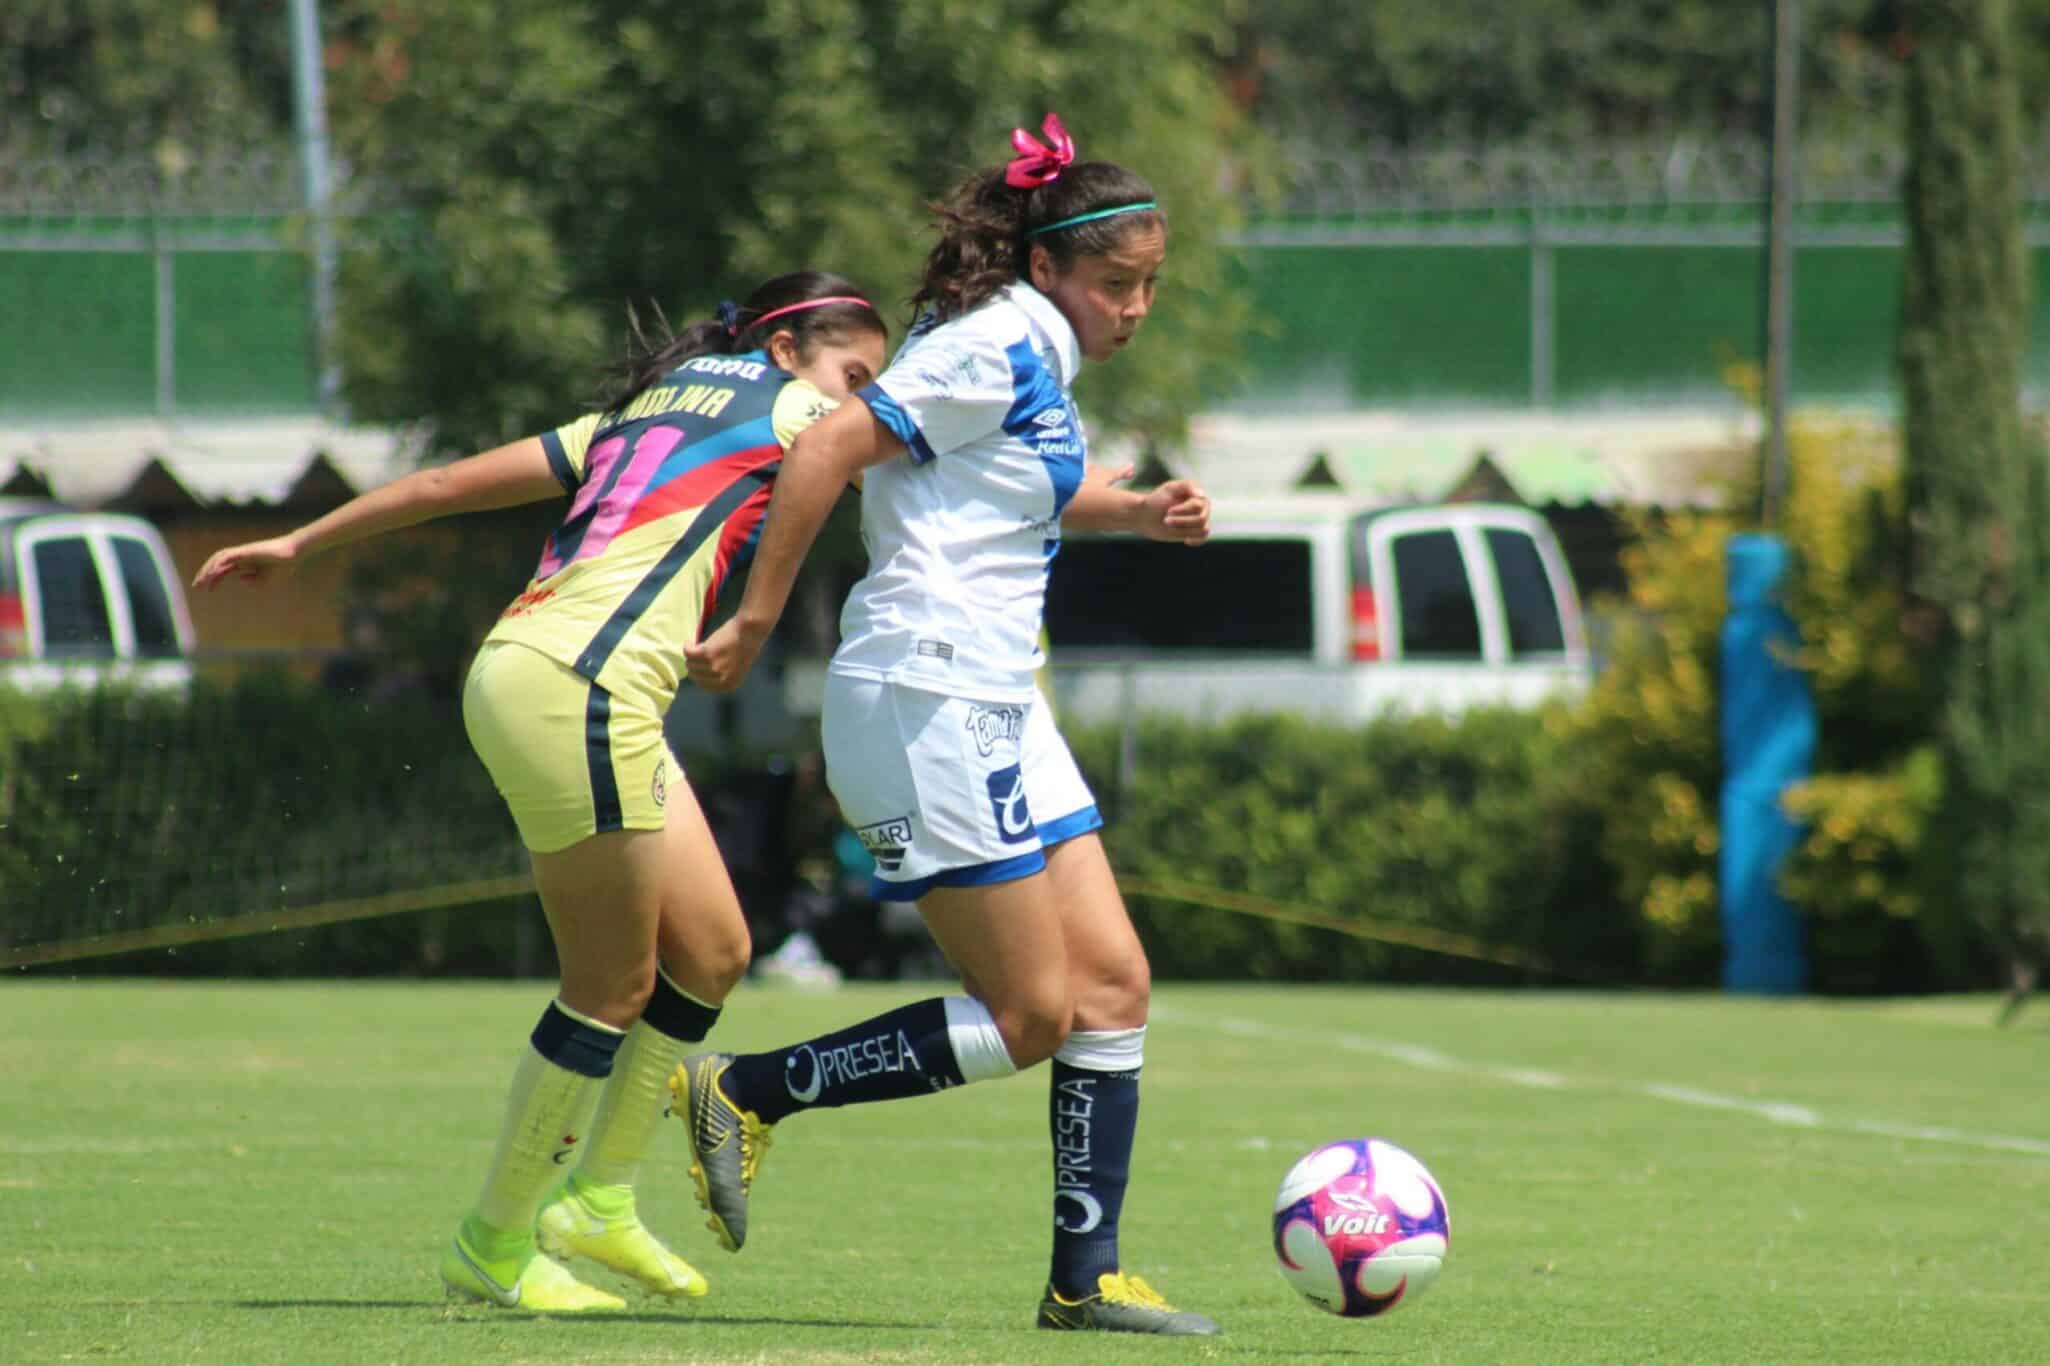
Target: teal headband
column 1092, row 217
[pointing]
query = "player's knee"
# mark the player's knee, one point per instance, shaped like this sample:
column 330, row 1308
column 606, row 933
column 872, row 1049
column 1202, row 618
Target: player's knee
column 1035, row 1026
column 609, row 995
column 724, row 960
column 1113, row 995
column 635, row 986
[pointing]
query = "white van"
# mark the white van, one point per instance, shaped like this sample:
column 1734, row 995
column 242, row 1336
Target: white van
column 1319, row 605
column 87, row 597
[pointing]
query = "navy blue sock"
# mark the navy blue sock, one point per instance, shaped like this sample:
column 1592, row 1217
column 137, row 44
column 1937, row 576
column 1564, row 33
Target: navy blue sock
column 671, row 1012
column 570, row 1042
column 903, row 1052
column 1094, row 1116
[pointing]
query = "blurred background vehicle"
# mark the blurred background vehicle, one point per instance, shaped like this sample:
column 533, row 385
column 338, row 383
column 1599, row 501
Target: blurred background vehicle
column 88, row 597
column 1319, row 605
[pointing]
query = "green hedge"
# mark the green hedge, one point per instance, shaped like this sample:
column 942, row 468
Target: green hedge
column 126, row 812
column 1459, row 827
column 1491, row 837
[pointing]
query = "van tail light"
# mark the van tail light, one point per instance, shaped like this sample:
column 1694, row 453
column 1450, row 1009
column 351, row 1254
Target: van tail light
column 13, row 627
column 1366, row 627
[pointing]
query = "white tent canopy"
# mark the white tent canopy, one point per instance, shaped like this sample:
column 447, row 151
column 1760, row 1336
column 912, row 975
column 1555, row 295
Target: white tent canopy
column 1661, row 459
column 240, row 462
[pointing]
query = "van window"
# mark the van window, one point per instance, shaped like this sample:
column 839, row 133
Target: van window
column 156, row 632
column 1242, row 596
column 1533, row 612
column 1439, row 620
column 73, row 603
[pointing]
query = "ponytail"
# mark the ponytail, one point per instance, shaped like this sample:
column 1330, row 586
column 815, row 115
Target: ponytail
column 991, row 221
column 810, row 304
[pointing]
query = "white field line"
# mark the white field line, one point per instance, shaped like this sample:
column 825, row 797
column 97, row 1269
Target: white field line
column 1774, row 1112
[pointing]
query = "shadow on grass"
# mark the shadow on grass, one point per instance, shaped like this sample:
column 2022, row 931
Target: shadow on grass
column 479, row 1314
column 331, row 1304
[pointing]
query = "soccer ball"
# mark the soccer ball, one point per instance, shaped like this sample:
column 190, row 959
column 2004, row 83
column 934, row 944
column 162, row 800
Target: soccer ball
column 1359, row 1227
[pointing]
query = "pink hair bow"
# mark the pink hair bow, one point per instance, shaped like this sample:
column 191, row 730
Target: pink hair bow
column 1037, row 163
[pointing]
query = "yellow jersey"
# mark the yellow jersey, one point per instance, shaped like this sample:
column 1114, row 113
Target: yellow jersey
column 667, row 499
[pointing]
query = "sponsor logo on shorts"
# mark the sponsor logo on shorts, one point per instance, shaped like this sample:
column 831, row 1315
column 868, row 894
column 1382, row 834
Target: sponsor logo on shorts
column 886, row 841
column 992, row 726
column 1007, row 799
column 659, row 787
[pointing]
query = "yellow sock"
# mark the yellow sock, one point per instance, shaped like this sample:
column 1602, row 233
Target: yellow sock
column 636, row 1095
column 547, row 1115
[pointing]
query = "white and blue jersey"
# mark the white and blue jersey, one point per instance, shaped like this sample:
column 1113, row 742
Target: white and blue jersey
column 938, row 750
column 961, row 532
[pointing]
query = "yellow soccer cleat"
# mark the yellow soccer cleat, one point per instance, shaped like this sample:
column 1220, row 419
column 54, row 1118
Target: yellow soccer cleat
column 538, row 1285
column 570, row 1227
column 1121, row 1304
column 726, row 1143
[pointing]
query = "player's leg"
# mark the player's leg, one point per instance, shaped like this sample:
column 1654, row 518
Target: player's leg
column 932, row 785
column 1093, row 1109
column 703, row 952
column 1093, row 1102
column 1006, row 935
column 531, row 721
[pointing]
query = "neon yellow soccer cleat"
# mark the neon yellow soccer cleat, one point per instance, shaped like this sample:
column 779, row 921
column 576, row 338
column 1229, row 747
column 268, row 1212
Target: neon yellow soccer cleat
column 616, row 1240
column 538, row 1285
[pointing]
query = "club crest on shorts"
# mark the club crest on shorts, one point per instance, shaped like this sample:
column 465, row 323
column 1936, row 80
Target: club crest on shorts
column 1007, row 799
column 658, row 787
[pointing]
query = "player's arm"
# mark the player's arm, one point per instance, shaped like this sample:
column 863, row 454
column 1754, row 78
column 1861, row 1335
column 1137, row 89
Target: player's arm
column 1178, row 510
column 520, row 472
column 823, row 460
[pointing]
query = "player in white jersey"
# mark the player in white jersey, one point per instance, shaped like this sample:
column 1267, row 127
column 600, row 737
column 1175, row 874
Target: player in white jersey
column 936, row 747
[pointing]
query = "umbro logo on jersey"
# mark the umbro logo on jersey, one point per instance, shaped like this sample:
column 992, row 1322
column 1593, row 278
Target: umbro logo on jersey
column 1051, row 417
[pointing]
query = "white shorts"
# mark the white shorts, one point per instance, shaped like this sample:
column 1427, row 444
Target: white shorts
column 948, row 792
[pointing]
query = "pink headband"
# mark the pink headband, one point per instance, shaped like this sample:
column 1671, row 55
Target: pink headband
column 739, row 328
column 1037, row 163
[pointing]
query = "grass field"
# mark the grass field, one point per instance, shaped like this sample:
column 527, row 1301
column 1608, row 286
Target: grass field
column 245, row 1174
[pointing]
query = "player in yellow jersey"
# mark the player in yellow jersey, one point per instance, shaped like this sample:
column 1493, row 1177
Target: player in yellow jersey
column 564, row 704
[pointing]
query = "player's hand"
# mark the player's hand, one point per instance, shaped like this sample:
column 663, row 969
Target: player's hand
column 1178, row 510
column 721, row 660
column 254, row 561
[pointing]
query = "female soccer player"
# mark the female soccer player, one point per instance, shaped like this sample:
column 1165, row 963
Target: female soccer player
column 564, row 704
column 956, row 780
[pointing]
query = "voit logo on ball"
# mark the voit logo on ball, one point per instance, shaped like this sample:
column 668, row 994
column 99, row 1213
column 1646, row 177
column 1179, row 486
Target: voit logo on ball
column 1359, row 1227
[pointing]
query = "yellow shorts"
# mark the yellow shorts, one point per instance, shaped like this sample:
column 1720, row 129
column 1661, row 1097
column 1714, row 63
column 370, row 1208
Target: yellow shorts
column 571, row 759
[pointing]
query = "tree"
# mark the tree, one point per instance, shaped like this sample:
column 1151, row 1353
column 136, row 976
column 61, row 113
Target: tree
column 104, row 77
column 1424, row 72
column 557, row 163
column 1976, row 483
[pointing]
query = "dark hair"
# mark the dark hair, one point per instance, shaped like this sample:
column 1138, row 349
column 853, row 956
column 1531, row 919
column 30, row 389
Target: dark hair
column 649, row 358
column 986, row 230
